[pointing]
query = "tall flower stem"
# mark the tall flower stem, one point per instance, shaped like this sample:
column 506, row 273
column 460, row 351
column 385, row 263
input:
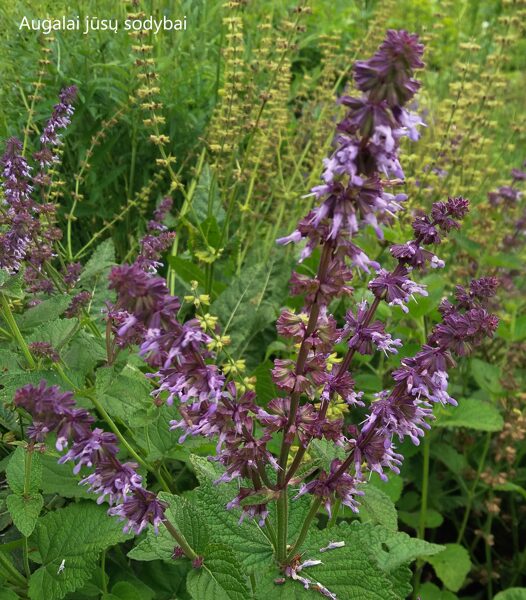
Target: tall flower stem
column 305, row 528
column 344, row 366
column 282, row 504
column 282, row 522
column 300, row 363
column 15, row 331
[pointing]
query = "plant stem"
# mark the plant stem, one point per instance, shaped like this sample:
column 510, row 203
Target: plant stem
column 25, row 553
column 180, row 539
column 335, row 511
column 10, row 320
column 27, row 479
column 305, row 528
column 10, row 572
column 282, row 535
column 271, row 534
column 103, row 572
column 425, row 488
column 471, row 492
column 421, row 532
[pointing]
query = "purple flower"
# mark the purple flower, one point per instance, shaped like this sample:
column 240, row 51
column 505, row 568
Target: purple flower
column 327, row 487
column 374, row 447
column 460, row 332
column 19, row 216
column 92, row 449
column 78, row 302
column 44, row 350
column 113, row 479
column 60, row 118
column 388, row 74
column 363, row 335
column 54, row 411
column 72, row 274
column 395, row 288
column 140, row 509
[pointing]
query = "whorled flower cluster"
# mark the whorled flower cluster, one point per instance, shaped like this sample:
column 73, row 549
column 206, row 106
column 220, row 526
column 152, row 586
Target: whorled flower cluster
column 28, row 229
column 55, row 412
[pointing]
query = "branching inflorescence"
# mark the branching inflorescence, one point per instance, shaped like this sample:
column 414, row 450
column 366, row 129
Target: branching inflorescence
column 354, row 194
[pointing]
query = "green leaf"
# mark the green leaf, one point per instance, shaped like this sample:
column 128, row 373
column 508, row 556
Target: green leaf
column 392, row 487
column 394, row 549
column 371, row 565
column 16, row 471
column 47, row 310
column 510, row 487
column 519, row 329
column 433, row 518
column 125, row 394
column 57, row 332
column 377, row 508
column 265, row 388
column 451, row 566
column 102, row 259
column 366, row 568
column 15, row 379
column 187, row 270
column 24, row 511
column 206, row 201
column 473, row 414
column 512, row 594
column 429, row 591
column 250, row 303
column 247, row 540
column 124, row 591
column 6, row 594
column 156, row 437
column 220, row 577
column 486, row 375
column 8, row 361
column 60, row 479
column 12, row 286
column 68, row 541
column 325, row 452
column 453, row 460
column 84, row 352
column 423, row 305
column 186, row 518
column 508, row 261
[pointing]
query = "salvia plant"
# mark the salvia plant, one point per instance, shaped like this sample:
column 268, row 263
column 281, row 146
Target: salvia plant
column 282, row 480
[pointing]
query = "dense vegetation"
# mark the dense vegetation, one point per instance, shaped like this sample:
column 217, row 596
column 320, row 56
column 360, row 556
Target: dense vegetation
column 149, row 321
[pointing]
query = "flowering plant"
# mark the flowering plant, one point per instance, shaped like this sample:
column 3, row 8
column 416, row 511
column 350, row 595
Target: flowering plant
column 274, row 471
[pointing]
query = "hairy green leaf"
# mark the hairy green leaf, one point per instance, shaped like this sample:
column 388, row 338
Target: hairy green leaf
column 68, row 541
column 473, row 414
column 24, row 511
column 377, row 508
column 47, row 310
column 220, row 577
column 16, row 471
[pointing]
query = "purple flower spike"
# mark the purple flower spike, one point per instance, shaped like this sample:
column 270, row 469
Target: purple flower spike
column 140, row 509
